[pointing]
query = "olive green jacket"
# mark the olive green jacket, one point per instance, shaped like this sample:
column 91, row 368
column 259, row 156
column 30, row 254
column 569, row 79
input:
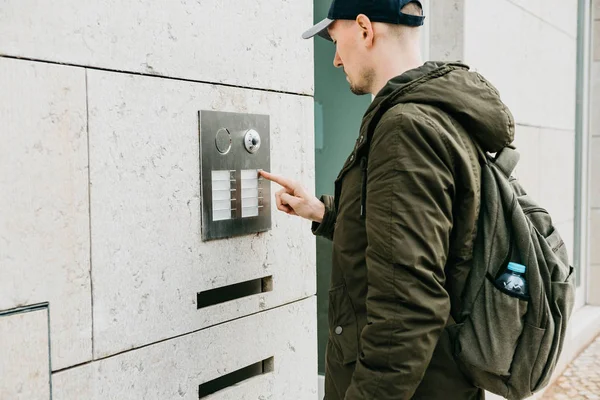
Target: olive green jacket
column 403, row 239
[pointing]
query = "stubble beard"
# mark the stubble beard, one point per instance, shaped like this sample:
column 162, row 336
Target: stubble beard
column 364, row 85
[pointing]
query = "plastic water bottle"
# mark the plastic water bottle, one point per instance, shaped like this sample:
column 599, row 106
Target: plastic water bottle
column 512, row 281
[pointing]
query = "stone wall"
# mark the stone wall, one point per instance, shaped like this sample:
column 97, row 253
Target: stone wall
column 594, row 286
column 101, row 254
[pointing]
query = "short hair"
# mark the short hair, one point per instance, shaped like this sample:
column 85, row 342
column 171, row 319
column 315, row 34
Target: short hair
column 412, row 8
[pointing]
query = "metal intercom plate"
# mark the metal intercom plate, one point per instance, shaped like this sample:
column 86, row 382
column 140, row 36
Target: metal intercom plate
column 233, row 147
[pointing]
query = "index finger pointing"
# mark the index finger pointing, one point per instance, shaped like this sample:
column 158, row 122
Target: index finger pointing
column 286, row 183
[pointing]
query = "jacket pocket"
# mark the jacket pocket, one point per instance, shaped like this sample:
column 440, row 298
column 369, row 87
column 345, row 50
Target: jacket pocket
column 342, row 325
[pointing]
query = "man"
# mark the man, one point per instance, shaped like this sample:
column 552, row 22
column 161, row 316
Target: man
column 403, row 218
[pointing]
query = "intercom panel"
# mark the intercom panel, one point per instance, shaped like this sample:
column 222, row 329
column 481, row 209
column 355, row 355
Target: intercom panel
column 233, row 148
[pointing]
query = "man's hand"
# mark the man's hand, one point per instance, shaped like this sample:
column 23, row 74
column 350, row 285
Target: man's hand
column 294, row 200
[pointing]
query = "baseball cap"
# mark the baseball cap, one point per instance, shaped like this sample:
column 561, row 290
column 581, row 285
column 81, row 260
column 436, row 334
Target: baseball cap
column 387, row 11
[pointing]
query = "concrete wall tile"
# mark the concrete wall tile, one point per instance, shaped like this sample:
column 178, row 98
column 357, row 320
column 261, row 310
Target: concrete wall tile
column 528, row 171
column 595, row 237
column 174, row 369
column 594, row 289
column 557, row 179
column 446, row 29
column 149, row 260
column 44, row 213
column 561, row 15
column 254, row 44
column 595, row 173
column 596, row 40
column 24, row 357
column 594, row 108
column 516, row 51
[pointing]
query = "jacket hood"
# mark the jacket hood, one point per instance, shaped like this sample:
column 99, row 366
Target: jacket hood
column 469, row 98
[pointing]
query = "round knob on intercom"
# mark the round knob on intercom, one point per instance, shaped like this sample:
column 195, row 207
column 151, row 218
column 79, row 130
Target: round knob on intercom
column 252, row 141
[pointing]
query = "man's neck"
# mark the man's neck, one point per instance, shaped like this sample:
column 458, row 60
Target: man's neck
column 393, row 67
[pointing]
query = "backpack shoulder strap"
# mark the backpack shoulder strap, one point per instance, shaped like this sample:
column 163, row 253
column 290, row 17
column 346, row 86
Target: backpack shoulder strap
column 507, row 159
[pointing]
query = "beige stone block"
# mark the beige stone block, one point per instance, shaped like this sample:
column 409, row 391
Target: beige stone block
column 596, row 9
column 24, row 357
column 561, row 15
column 595, row 236
column 596, row 40
column 148, row 257
column 528, row 171
column 595, row 172
column 594, row 285
column 44, row 202
column 245, row 43
column 557, row 177
column 174, row 369
column 595, row 99
column 446, row 30
column 532, row 64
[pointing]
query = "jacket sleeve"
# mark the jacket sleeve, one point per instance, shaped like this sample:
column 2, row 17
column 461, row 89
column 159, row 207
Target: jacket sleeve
column 327, row 226
column 408, row 221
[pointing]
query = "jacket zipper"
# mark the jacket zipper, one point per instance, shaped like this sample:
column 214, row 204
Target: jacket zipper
column 363, row 191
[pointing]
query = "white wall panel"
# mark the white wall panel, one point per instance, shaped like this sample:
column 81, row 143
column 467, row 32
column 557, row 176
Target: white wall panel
column 532, row 64
column 246, row 43
column 44, row 213
column 24, row 356
column 174, row 369
column 148, row 257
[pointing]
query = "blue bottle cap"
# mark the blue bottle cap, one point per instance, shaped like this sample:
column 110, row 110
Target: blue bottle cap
column 518, row 268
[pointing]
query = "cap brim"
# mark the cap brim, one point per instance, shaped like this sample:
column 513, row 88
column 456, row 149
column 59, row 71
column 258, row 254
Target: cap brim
column 319, row 29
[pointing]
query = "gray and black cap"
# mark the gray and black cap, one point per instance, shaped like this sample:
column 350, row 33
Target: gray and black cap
column 387, row 11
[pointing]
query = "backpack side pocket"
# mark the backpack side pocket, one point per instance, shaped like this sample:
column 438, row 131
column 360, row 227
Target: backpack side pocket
column 488, row 338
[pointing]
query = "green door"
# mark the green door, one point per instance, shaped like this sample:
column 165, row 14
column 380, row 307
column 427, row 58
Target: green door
column 338, row 113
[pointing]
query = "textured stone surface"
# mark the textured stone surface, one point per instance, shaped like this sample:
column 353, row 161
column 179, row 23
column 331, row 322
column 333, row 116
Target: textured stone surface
column 595, row 172
column 581, row 380
column 595, row 236
column 596, row 40
column 148, row 257
column 594, row 277
column 174, row 369
column 446, row 24
column 252, row 44
column 557, row 176
column 595, row 98
column 528, row 170
column 517, row 52
column 560, row 14
column 24, row 358
column 44, row 215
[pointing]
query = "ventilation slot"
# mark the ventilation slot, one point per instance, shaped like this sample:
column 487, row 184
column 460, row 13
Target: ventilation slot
column 233, row 378
column 232, row 292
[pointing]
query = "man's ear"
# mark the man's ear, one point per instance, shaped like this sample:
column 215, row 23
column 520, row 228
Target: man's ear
column 366, row 28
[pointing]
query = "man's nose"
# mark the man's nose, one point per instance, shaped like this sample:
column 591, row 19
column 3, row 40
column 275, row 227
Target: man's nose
column 337, row 61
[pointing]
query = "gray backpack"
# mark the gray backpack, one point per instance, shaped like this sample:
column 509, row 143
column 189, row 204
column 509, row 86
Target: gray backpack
column 507, row 345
